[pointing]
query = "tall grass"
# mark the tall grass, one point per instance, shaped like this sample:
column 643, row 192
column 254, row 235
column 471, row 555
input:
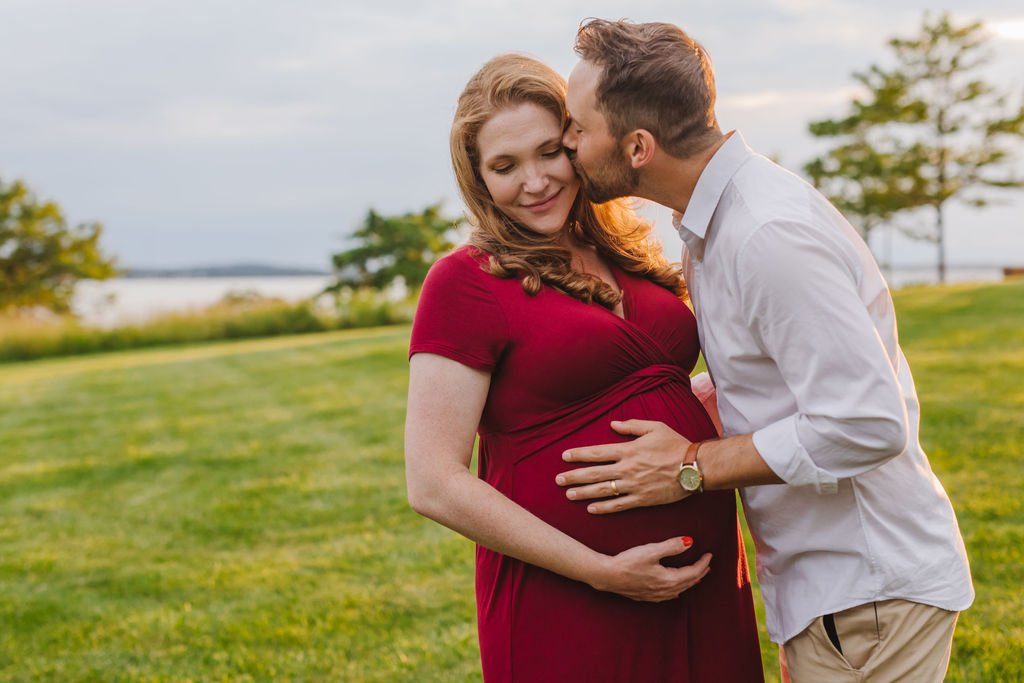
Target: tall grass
column 237, row 317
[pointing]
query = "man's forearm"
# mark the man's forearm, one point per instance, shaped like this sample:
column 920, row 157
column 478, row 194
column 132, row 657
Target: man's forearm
column 733, row 462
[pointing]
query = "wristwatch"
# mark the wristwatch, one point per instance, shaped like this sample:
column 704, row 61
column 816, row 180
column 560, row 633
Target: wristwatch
column 689, row 476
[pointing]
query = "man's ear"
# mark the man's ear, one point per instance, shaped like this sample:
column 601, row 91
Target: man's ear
column 639, row 146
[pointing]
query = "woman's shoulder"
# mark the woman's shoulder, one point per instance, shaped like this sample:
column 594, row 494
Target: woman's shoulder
column 465, row 255
column 457, row 288
column 466, row 263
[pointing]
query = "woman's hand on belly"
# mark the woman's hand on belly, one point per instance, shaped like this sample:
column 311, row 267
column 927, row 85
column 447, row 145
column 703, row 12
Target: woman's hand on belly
column 638, row 574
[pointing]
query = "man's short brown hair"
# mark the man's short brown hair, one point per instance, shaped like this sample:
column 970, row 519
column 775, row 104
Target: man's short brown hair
column 655, row 77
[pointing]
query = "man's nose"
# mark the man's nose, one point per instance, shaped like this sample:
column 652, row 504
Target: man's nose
column 569, row 139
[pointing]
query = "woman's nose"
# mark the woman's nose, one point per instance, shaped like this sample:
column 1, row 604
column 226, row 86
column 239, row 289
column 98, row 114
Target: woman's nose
column 536, row 180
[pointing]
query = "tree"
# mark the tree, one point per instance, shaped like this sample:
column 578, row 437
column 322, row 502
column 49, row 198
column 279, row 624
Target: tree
column 42, row 258
column 929, row 131
column 396, row 246
column 868, row 176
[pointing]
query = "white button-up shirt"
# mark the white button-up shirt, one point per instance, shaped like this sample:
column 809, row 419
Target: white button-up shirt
column 799, row 333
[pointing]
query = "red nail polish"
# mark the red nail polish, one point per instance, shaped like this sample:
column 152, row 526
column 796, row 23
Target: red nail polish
column 687, row 541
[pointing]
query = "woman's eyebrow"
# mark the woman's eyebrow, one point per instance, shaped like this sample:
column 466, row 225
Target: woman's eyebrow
column 556, row 141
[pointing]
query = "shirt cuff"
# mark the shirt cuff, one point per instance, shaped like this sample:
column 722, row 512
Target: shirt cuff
column 779, row 446
column 702, row 387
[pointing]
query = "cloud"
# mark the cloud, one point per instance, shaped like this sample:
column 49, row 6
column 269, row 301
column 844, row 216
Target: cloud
column 218, row 121
column 791, row 100
column 199, row 122
column 1008, row 29
column 183, row 124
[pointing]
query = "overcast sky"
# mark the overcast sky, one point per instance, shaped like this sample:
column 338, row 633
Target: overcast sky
column 226, row 131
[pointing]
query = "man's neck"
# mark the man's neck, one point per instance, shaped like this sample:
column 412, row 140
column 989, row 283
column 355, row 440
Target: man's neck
column 670, row 181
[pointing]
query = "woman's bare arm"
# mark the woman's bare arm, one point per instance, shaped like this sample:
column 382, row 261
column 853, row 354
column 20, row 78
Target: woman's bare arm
column 446, row 399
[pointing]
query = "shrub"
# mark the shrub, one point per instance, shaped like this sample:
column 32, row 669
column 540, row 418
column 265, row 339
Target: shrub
column 238, row 316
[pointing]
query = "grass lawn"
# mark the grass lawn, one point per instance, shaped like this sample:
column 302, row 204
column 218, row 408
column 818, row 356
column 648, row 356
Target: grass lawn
column 236, row 511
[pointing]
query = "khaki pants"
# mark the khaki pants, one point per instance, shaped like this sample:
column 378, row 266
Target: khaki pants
column 894, row 640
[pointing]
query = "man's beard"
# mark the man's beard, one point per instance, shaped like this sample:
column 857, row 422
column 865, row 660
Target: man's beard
column 615, row 179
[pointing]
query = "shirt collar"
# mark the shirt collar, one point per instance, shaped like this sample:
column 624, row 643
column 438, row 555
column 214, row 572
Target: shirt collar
column 710, row 186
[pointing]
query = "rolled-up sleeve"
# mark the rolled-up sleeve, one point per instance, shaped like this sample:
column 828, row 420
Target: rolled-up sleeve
column 800, row 299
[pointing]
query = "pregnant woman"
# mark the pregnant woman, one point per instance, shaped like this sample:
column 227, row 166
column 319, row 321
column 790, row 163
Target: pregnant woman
column 559, row 317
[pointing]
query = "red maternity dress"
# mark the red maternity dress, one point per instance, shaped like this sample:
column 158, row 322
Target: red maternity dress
column 561, row 370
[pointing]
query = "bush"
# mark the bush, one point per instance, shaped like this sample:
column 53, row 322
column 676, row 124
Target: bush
column 238, row 316
column 370, row 308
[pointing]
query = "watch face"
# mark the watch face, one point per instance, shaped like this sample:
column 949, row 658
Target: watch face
column 689, row 478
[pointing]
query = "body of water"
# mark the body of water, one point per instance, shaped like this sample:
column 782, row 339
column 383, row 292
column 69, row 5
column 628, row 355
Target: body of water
column 928, row 275
column 126, row 300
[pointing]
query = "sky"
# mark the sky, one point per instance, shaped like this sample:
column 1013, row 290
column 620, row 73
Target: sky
column 238, row 131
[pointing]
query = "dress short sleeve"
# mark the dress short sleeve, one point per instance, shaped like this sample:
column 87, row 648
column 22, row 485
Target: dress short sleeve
column 458, row 315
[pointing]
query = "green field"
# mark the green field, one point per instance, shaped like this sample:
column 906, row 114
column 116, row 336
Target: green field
column 236, row 511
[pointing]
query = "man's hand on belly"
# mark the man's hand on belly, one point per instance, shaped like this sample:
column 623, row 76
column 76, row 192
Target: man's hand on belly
column 638, row 473
column 643, row 472
column 638, row 574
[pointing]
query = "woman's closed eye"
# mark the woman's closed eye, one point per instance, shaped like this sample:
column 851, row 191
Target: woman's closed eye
column 505, row 169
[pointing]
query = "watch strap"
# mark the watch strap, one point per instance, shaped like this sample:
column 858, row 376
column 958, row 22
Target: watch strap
column 690, row 456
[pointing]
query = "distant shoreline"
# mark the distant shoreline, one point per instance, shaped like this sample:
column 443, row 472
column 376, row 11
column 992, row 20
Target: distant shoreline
column 239, row 270
column 263, row 270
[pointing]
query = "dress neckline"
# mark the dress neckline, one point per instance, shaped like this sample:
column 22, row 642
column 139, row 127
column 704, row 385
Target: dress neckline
column 617, row 277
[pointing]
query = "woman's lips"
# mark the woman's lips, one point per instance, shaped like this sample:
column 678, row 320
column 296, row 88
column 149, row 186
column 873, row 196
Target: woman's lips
column 543, row 205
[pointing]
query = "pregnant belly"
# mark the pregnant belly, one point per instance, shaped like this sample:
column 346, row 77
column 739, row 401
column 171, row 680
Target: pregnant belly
column 709, row 518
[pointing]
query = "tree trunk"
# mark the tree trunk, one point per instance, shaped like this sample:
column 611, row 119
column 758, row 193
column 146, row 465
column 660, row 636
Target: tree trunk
column 940, row 231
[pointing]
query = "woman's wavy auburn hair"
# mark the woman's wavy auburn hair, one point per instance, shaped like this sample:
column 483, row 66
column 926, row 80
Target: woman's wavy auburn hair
column 613, row 228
